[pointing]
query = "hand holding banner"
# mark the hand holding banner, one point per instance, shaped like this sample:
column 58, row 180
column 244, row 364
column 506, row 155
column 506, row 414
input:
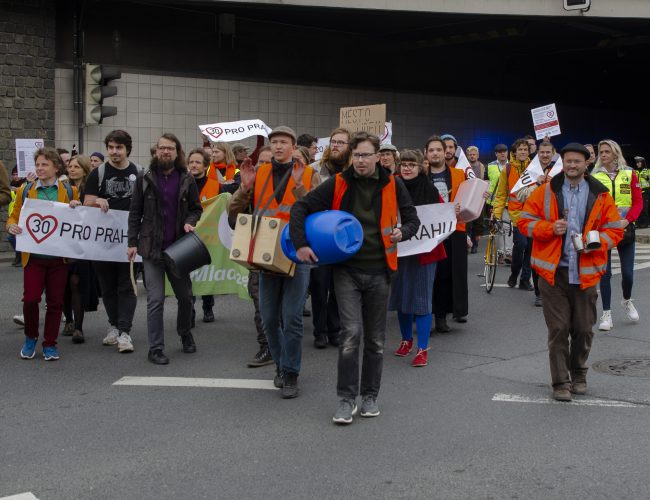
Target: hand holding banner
column 234, row 131
column 534, row 171
column 437, row 222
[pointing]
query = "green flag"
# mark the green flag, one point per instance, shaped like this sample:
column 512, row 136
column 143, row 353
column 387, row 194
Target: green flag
column 222, row 276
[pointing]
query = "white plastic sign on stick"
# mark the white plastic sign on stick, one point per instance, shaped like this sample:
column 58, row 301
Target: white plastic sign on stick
column 546, row 121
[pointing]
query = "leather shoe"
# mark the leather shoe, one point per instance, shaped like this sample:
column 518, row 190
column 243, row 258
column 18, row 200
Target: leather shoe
column 460, row 319
column 290, row 387
column 579, row 388
column 334, row 341
column 157, row 357
column 208, row 316
column 526, row 285
column 561, row 394
column 188, row 343
column 442, row 326
column 512, row 280
column 320, row 342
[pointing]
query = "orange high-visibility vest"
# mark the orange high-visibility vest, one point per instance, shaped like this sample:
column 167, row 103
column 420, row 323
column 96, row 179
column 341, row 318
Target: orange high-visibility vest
column 536, row 221
column 457, row 178
column 260, row 199
column 211, row 188
column 388, row 219
column 231, row 170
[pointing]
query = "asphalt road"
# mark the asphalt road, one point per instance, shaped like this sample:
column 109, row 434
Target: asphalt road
column 66, row 432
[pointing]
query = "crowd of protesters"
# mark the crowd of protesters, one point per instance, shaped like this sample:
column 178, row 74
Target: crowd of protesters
column 595, row 191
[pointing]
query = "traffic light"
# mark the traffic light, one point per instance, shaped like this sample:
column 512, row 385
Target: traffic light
column 96, row 90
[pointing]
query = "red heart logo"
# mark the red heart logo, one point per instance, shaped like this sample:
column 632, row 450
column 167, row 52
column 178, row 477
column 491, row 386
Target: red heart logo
column 41, row 227
column 214, row 132
column 550, row 114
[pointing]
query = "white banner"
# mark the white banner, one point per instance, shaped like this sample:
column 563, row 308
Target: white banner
column 545, row 121
column 52, row 228
column 534, row 170
column 437, row 222
column 25, row 149
column 322, row 143
column 234, row 131
column 463, row 163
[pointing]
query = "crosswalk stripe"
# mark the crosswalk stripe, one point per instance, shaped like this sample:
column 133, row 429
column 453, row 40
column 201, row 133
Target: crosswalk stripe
column 220, row 383
column 21, row 496
column 518, row 398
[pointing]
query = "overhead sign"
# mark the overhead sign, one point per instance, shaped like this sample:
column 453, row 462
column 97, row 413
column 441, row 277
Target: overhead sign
column 371, row 119
column 234, row 131
column 25, row 149
column 437, row 222
column 53, row 228
column 546, row 121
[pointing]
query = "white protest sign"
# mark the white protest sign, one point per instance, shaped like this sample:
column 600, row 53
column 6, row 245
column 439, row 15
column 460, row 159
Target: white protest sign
column 437, row 222
column 545, row 121
column 533, row 172
column 25, row 149
column 234, row 131
column 322, row 143
column 463, row 163
column 387, row 136
column 52, row 228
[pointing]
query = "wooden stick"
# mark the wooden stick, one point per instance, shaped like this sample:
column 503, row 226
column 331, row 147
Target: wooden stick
column 133, row 283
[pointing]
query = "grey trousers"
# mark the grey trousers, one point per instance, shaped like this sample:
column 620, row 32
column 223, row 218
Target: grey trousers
column 155, row 271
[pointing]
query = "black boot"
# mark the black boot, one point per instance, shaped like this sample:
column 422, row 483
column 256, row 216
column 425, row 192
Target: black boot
column 442, row 326
column 290, row 387
column 188, row 343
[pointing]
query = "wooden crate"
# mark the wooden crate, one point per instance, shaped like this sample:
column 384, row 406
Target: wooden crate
column 267, row 254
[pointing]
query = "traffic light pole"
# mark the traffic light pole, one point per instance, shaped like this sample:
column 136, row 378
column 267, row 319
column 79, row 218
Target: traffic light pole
column 77, row 73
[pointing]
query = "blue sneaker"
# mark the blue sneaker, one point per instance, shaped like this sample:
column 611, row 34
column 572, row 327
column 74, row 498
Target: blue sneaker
column 29, row 348
column 50, row 353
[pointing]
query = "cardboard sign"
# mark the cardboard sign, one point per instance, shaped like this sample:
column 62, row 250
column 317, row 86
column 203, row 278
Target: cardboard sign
column 437, row 222
column 234, row 131
column 545, row 121
column 53, row 228
column 25, row 149
column 385, row 138
column 371, row 119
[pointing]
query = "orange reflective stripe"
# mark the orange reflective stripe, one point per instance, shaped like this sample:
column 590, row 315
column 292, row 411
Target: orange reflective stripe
column 274, row 209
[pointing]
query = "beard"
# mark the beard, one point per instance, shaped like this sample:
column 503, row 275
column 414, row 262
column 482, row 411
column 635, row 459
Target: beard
column 165, row 165
column 338, row 157
column 436, row 163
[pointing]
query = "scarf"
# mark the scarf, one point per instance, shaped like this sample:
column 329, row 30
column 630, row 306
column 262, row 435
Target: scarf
column 422, row 190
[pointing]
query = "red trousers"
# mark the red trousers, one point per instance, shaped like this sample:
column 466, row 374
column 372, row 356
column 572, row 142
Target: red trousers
column 49, row 275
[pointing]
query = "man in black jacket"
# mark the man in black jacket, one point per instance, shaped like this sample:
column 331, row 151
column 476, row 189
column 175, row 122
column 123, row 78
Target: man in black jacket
column 165, row 205
column 374, row 197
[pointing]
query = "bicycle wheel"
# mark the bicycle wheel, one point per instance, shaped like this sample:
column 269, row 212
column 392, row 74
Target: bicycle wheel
column 490, row 263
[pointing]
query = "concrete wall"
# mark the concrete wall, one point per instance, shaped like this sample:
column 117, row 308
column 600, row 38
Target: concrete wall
column 149, row 105
column 27, row 51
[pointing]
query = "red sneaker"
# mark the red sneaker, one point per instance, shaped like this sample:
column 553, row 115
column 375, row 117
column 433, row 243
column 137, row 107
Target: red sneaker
column 420, row 358
column 404, row 348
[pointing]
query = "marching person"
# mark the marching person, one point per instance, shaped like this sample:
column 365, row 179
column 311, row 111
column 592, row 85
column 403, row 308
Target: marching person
column 623, row 184
column 565, row 209
column 164, row 207
column 411, row 294
column 109, row 187
column 374, row 196
column 43, row 272
column 277, row 186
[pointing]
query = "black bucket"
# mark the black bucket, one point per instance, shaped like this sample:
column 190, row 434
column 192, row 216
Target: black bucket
column 186, row 254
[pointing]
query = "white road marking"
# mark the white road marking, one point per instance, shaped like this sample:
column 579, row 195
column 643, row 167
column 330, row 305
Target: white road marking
column 580, row 401
column 20, row 496
column 214, row 383
column 497, row 285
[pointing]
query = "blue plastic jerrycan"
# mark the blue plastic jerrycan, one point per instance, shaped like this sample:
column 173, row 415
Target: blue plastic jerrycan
column 333, row 235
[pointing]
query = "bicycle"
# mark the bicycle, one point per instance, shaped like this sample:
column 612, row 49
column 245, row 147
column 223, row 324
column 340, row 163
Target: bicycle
column 496, row 228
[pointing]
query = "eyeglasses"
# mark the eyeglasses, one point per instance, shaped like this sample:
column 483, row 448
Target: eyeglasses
column 362, row 156
column 167, row 148
column 338, row 143
column 408, row 165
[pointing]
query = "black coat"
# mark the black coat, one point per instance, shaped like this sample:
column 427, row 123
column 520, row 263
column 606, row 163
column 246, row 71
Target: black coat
column 146, row 229
column 321, row 198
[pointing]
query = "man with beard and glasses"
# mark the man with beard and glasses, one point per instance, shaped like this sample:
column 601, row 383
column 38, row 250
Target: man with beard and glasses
column 165, row 206
column 450, row 287
column 327, row 326
column 110, row 187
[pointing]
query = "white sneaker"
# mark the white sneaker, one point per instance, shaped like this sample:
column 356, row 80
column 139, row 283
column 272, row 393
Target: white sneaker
column 606, row 323
column 19, row 319
column 124, row 343
column 111, row 336
column 630, row 310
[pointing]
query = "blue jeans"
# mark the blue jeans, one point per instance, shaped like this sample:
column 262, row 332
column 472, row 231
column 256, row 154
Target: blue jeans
column 626, row 254
column 282, row 300
column 363, row 302
column 521, row 250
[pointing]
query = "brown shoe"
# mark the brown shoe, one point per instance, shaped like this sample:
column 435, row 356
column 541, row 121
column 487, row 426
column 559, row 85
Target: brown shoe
column 561, row 394
column 579, row 388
